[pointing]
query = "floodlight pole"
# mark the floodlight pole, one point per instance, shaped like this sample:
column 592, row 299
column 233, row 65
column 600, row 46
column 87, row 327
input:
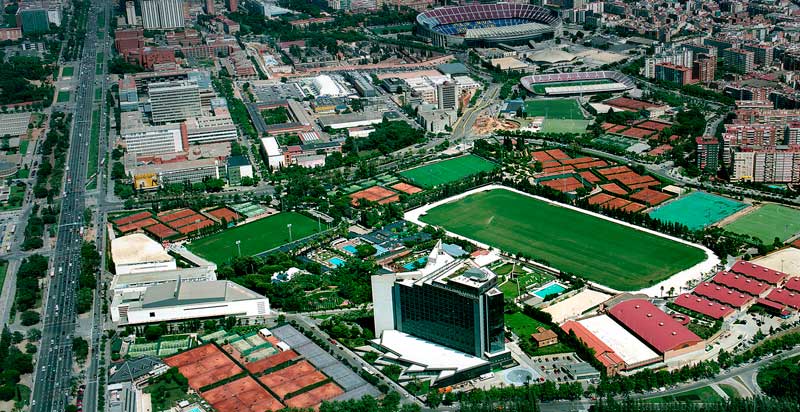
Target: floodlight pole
column 238, row 242
column 290, row 231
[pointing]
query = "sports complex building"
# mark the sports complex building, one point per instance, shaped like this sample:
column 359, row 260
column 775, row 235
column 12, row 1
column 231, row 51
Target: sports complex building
column 480, row 25
column 566, row 84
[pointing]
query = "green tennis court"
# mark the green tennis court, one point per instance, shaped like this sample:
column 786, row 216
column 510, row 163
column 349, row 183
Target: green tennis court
column 697, row 210
column 447, row 171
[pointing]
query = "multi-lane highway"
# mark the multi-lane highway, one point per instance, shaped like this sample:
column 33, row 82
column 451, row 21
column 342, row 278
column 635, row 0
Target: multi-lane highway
column 54, row 372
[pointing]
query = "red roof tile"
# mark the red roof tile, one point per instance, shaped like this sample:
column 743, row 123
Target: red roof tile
column 723, row 295
column 602, row 352
column 759, row 272
column 786, row 297
column 659, row 330
column 740, row 282
column 793, row 284
column 703, row 306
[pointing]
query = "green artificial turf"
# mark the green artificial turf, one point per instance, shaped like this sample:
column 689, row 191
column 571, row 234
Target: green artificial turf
column 447, row 171
column 768, row 222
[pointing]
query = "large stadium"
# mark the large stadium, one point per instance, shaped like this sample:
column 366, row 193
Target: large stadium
column 565, row 84
column 478, row 25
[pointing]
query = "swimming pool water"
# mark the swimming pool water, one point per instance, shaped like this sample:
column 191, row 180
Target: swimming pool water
column 195, row 409
column 336, row 262
column 350, row 248
column 551, row 289
column 410, row 265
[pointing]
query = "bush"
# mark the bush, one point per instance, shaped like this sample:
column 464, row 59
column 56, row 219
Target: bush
column 29, row 318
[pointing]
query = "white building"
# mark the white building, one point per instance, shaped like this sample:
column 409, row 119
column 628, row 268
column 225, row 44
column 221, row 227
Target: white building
column 162, row 14
column 210, row 129
column 140, row 281
column 273, row 152
column 179, row 300
column 137, row 253
column 174, row 101
column 130, row 13
column 324, row 85
column 153, row 140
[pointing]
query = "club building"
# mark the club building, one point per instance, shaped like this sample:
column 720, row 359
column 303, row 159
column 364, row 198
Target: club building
column 451, row 308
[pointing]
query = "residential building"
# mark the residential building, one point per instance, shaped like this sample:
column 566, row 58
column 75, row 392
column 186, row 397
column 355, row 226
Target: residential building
column 774, row 165
column 704, row 68
column 174, row 101
column 233, row 6
column 669, row 72
column 130, row 13
column 10, row 33
column 544, row 337
column 162, row 14
column 677, row 56
column 762, row 53
column 210, row 7
column 738, row 60
column 708, row 152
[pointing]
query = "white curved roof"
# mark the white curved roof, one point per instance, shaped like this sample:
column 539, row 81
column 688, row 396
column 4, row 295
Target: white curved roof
column 137, row 248
column 552, row 56
column 326, row 86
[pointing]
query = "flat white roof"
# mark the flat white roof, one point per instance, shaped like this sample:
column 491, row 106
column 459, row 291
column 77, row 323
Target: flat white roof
column 627, row 346
column 271, row 146
column 575, row 305
column 137, row 248
column 427, row 355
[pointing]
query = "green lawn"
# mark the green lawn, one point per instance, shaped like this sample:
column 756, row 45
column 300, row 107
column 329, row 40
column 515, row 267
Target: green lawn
column 14, row 198
column 3, row 269
column 564, row 126
column 554, row 109
column 63, row 96
column 523, row 325
column 447, row 171
column 729, row 390
column 98, row 94
column 598, row 250
column 704, row 394
column 67, row 71
column 768, row 222
column 93, row 147
column 98, row 69
column 509, row 288
column 23, row 146
column 539, row 88
column 100, row 57
column 256, row 237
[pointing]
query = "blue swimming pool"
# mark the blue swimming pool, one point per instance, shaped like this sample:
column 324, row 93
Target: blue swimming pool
column 410, row 265
column 550, row 289
column 195, row 409
column 350, row 248
column 336, row 262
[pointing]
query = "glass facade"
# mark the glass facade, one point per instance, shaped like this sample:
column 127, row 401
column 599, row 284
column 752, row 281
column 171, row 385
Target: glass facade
column 495, row 322
column 439, row 315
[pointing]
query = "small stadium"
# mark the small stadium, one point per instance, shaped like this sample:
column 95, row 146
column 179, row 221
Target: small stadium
column 571, row 84
column 481, row 25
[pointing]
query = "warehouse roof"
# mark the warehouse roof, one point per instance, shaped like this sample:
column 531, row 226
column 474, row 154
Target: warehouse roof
column 137, row 248
column 602, row 352
column 741, row 282
column 652, row 325
column 793, row 284
column 785, row 297
column 759, row 272
column 187, row 293
column 723, row 294
column 703, row 306
column 622, row 342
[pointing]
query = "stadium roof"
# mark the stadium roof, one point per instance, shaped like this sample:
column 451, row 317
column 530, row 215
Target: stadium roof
column 703, row 306
column 137, row 248
column 186, row 293
column 622, row 342
column 741, row 282
column 651, row 324
column 759, row 272
column 785, row 297
column 602, row 352
column 723, row 294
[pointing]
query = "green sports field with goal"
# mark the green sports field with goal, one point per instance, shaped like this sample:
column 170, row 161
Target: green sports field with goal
column 256, row 237
column 596, row 249
column 768, row 222
column 447, row 171
column 554, row 109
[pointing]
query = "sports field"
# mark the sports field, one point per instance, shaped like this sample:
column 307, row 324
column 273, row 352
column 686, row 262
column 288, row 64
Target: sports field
column 67, row 71
column 697, row 210
column 768, row 222
column 599, row 250
column 63, row 96
column 564, row 126
column 554, row 109
column 539, row 88
column 447, row 171
column 256, row 237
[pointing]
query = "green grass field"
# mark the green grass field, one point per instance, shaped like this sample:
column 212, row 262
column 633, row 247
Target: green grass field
column 704, row 394
column 554, row 109
column 564, row 126
column 94, row 142
column 3, row 270
column 540, row 88
column 256, row 237
column 768, row 222
column 67, row 71
column 523, row 325
column 98, row 94
column 598, row 250
column 447, row 171
column 63, row 96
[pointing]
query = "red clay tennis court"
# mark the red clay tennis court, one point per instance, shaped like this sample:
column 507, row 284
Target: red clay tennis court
column 557, row 154
column 377, row 194
column 195, row 227
column 541, row 156
column 616, row 203
column 637, row 133
column 653, row 125
column 160, row 231
column 225, row 213
column 132, row 218
column 292, row 379
column 314, row 397
column 203, row 365
column 243, row 394
column 589, row 177
column 171, row 215
column 614, row 188
column 406, row 188
column 563, row 185
column 600, row 198
column 130, row 227
column 270, row 362
column 614, row 170
column 651, row 197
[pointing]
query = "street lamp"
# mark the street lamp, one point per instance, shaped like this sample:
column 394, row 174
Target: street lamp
column 290, row 231
column 238, row 242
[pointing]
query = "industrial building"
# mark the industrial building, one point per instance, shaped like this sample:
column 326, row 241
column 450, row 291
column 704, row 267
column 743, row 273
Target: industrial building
column 137, row 253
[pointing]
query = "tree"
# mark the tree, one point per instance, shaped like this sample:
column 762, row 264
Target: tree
column 364, row 250
column 433, row 398
column 29, row 318
column 34, row 334
column 153, row 332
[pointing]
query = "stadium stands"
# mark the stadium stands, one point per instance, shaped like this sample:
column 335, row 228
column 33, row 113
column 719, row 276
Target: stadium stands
column 617, row 80
column 483, row 24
